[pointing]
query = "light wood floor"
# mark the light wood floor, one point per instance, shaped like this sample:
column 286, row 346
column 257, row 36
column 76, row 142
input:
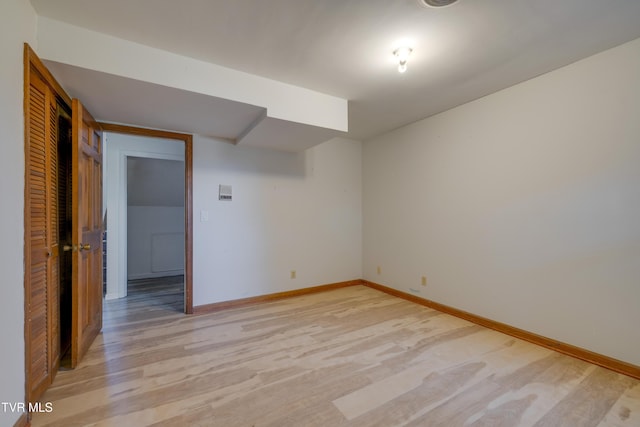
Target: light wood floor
column 349, row 357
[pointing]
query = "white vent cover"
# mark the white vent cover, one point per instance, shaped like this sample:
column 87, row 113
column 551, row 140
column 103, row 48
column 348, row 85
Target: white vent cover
column 224, row 192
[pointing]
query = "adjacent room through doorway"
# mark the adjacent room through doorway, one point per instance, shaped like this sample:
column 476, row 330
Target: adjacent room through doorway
column 155, row 229
column 146, row 193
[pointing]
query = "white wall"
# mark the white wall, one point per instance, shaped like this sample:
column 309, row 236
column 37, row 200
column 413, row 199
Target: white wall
column 290, row 211
column 523, row 206
column 117, row 148
column 17, row 25
column 155, row 242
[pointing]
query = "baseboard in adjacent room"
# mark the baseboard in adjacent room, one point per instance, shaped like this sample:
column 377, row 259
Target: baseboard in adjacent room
column 156, row 275
column 208, row 308
column 561, row 347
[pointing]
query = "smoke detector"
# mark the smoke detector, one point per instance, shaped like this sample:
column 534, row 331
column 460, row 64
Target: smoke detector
column 436, row 3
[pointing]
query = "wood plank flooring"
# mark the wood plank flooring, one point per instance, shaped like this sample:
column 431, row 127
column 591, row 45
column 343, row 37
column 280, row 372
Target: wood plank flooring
column 348, row 357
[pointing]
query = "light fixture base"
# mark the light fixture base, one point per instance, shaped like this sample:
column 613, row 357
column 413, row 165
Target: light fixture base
column 402, row 55
column 436, row 3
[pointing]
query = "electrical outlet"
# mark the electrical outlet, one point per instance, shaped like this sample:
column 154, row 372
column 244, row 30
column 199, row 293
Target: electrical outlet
column 378, row 270
column 293, row 274
column 424, row 281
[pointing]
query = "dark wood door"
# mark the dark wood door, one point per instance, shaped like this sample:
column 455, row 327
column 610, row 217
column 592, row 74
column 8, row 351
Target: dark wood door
column 86, row 200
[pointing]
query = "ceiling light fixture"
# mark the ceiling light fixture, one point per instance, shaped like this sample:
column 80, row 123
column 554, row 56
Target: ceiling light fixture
column 437, row 3
column 402, row 55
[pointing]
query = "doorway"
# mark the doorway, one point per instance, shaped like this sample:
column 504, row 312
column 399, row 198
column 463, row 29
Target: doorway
column 125, row 145
column 155, row 230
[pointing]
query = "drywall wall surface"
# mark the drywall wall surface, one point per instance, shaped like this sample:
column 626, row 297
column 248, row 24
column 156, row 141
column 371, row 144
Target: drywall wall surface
column 17, row 25
column 155, row 241
column 289, row 211
column 522, row 206
column 155, row 182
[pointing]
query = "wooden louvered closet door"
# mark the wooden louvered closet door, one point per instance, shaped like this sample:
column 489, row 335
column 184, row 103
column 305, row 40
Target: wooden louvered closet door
column 41, row 244
column 63, row 228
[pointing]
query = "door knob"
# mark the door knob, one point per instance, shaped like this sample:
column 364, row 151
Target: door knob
column 85, row 247
column 67, row 248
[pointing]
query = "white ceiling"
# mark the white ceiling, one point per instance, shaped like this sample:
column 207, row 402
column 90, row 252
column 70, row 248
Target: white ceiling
column 109, row 96
column 343, row 47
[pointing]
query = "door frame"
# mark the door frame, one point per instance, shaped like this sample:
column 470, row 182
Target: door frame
column 187, row 139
